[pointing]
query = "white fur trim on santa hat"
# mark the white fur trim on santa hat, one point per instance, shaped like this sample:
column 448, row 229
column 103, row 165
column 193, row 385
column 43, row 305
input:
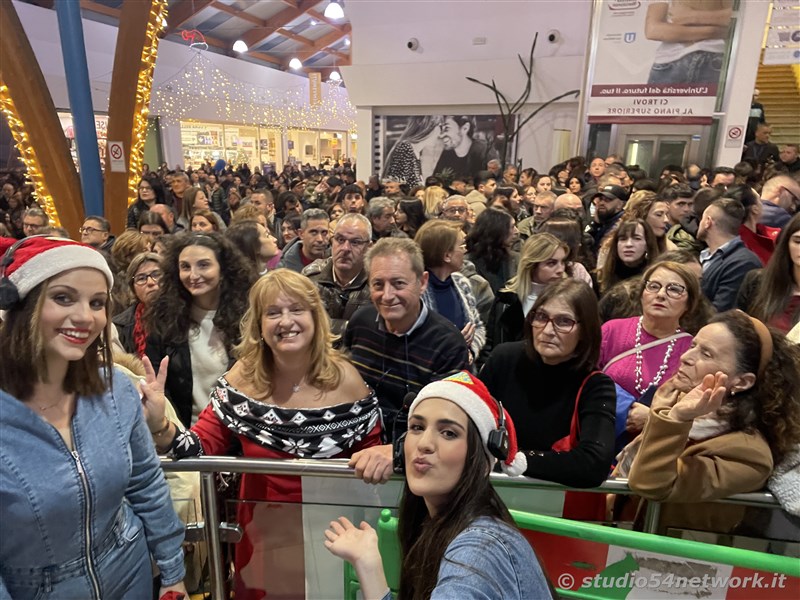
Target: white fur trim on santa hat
column 478, row 411
column 56, row 260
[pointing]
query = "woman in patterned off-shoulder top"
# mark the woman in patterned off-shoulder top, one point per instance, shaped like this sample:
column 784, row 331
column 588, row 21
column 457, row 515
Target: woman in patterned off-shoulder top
column 289, row 395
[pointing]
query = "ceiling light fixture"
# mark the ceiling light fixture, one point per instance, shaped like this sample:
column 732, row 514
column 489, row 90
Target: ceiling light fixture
column 295, row 64
column 239, row 46
column 334, row 10
column 334, row 76
column 346, row 41
column 313, row 22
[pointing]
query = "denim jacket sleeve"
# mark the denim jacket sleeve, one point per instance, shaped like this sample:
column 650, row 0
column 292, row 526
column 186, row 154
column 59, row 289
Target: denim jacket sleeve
column 148, row 493
column 490, row 560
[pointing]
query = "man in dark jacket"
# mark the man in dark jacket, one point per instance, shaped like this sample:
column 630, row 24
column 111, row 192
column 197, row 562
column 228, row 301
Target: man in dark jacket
column 342, row 279
column 726, row 260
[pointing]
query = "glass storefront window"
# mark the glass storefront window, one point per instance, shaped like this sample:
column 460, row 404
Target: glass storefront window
column 101, row 127
column 302, row 146
column 332, row 146
column 241, row 145
column 201, row 142
column 270, row 147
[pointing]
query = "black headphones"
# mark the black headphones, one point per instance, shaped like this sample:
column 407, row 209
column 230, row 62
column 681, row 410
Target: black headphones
column 9, row 294
column 497, row 444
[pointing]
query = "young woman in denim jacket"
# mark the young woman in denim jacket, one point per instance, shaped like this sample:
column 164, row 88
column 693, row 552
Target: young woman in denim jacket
column 83, row 500
column 456, row 535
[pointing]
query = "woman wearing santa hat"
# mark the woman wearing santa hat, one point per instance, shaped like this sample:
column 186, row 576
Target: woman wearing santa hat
column 456, row 535
column 83, row 500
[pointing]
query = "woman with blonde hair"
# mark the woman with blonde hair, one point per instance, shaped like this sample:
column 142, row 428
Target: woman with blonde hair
column 434, row 196
column 543, row 259
column 289, row 395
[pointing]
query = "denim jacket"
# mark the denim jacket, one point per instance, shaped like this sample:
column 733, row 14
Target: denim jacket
column 490, row 560
column 64, row 512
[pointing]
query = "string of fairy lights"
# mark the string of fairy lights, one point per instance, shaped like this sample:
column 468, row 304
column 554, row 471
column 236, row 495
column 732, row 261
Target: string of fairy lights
column 202, row 84
column 155, row 25
column 27, row 154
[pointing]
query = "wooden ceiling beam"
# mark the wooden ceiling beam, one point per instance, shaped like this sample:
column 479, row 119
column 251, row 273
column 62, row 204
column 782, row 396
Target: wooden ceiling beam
column 258, row 34
column 314, row 14
column 101, row 9
column 293, row 36
column 239, row 14
column 182, row 11
column 321, row 45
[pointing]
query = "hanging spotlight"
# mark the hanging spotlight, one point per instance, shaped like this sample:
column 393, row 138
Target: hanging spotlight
column 334, row 76
column 239, row 46
column 347, row 41
column 334, row 10
column 295, row 64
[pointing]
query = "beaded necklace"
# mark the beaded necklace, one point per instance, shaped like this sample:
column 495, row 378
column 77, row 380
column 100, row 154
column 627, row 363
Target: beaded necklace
column 640, row 387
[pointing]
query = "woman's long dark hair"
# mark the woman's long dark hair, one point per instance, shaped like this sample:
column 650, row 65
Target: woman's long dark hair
column 414, row 210
column 487, row 238
column 169, row 315
column 777, row 283
column 772, row 405
column 609, row 275
column 424, row 539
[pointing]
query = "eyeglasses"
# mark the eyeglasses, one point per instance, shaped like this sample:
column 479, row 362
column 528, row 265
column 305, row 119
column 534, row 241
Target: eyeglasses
column 561, row 323
column 673, row 290
column 145, row 188
column 355, row 243
column 141, row 278
column 90, row 230
column 455, row 210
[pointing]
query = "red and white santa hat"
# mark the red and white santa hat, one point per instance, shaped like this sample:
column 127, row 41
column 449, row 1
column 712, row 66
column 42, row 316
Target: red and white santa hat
column 38, row 258
column 471, row 395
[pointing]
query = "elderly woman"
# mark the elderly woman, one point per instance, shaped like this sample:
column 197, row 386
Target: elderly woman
column 289, row 395
column 717, row 427
column 144, row 276
column 449, row 292
column 543, row 260
column 548, row 382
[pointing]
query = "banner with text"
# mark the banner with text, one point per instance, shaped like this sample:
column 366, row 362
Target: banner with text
column 659, row 61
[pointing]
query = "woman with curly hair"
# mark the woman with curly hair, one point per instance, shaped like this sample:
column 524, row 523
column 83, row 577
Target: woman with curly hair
column 717, row 427
column 489, row 244
column 188, row 321
column 648, row 207
column 289, row 395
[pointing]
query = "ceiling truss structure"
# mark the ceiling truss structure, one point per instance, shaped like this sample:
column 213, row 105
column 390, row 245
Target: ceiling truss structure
column 275, row 31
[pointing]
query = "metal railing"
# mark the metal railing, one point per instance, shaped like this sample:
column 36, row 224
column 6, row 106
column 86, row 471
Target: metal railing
column 208, row 466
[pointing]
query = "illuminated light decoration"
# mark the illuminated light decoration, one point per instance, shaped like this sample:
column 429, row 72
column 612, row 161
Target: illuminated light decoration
column 201, row 84
column 28, row 155
column 195, row 38
column 295, row 63
column 335, row 76
column 334, row 10
column 239, row 46
column 144, row 84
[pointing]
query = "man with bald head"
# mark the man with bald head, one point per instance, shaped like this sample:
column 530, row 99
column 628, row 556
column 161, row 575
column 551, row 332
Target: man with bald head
column 781, row 198
column 570, row 201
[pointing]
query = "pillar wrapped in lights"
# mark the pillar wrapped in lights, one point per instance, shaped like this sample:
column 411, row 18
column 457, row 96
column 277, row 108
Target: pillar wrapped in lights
column 144, row 85
column 27, row 154
column 129, row 99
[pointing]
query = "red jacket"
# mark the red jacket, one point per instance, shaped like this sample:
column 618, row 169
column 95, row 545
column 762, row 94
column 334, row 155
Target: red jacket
column 761, row 241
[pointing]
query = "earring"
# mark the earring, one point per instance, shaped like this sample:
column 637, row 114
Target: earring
column 733, row 393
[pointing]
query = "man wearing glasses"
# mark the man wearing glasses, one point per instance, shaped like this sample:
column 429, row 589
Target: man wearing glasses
column 455, row 208
column 96, row 232
column 341, row 279
column 34, row 220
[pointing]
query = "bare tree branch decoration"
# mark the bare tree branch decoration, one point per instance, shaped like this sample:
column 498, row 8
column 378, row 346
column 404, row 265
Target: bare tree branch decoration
column 508, row 111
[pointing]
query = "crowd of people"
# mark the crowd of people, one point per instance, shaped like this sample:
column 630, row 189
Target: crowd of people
column 606, row 322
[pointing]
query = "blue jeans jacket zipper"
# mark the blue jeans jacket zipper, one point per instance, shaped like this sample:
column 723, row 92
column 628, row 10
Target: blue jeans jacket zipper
column 90, row 568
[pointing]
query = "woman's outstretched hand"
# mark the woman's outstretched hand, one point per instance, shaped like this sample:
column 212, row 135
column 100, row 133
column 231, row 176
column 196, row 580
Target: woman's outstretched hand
column 705, row 398
column 359, row 547
column 153, row 399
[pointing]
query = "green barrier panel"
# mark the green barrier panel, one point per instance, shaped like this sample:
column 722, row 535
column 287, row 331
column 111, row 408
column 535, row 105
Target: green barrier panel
column 686, row 549
column 738, row 557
